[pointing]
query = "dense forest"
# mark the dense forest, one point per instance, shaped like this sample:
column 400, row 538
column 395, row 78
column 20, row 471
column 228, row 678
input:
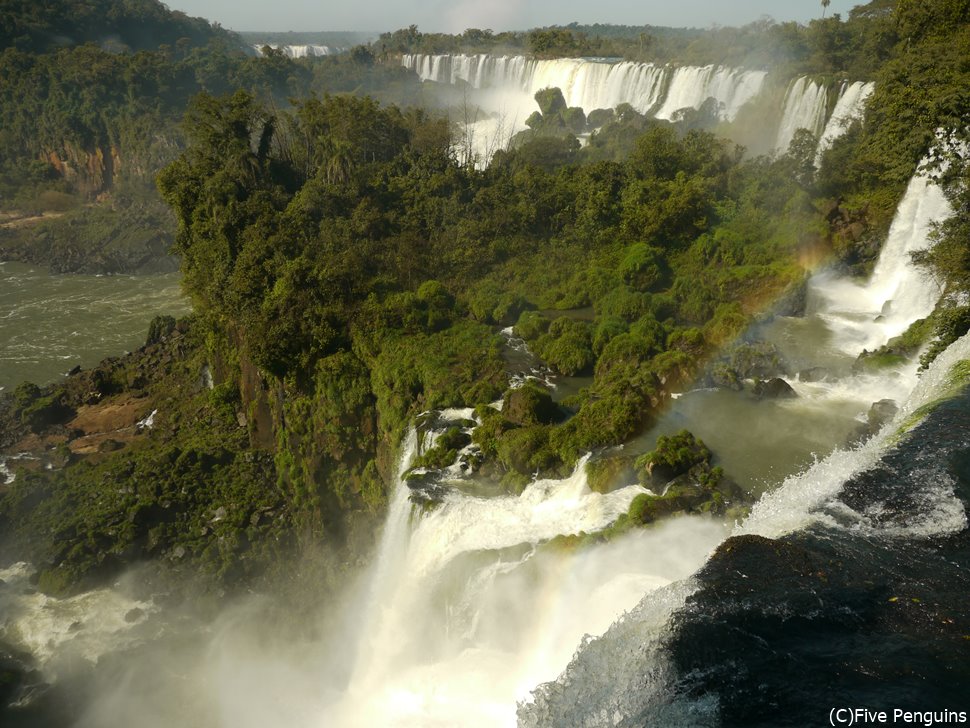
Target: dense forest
column 348, row 273
column 90, row 109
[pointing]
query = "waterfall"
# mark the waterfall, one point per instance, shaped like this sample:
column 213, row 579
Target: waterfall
column 866, row 316
column 647, row 87
column 656, row 90
column 849, row 108
column 506, row 85
column 691, row 86
column 625, row 679
column 298, row 51
column 468, row 611
column 485, row 647
column 804, row 108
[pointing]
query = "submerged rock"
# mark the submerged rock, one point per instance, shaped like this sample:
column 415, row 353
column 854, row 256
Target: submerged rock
column 880, row 413
column 134, row 615
column 746, row 360
column 814, row 374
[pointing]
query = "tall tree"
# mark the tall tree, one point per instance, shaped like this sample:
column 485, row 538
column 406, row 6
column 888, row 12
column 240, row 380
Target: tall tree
column 825, row 6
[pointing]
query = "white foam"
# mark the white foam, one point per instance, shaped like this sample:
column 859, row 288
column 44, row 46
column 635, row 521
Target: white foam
column 866, row 316
column 849, row 108
column 52, row 630
column 804, row 108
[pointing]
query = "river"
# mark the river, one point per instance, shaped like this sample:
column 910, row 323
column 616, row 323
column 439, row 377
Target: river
column 51, row 323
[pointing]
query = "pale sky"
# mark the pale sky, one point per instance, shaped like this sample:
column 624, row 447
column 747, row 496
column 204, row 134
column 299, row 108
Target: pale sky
column 456, row 15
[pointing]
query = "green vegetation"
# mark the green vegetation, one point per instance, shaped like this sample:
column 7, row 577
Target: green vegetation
column 189, row 492
column 673, row 456
column 307, row 233
column 90, row 108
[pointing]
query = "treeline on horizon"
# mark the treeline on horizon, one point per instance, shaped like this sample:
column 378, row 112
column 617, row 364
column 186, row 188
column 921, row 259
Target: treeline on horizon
column 854, row 46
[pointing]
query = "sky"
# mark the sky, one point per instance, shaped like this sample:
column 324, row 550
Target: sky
column 456, row 15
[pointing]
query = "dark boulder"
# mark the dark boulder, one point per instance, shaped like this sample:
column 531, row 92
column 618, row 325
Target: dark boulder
column 880, row 413
column 775, row 388
column 794, row 301
column 746, row 360
column 815, row 374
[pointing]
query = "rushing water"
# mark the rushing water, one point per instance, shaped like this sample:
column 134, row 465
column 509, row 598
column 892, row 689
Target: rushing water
column 52, row 323
column 504, row 87
column 475, row 612
column 849, row 107
column 299, row 51
column 805, row 105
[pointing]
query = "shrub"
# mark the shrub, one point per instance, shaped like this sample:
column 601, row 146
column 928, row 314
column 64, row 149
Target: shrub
column 642, row 267
column 674, row 455
column 625, row 303
column 526, row 450
column 531, row 325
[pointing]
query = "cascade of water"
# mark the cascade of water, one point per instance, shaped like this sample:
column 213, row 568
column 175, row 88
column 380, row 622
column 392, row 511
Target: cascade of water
column 797, row 502
column 506, row 86
column 639, row 684
column 805, row 106
column 386, row 572
column 468, row 611
column 691, row 86
column 848, row 108
column 866, row 316
column 298, row 51
column 595, row 84
column 57, row 631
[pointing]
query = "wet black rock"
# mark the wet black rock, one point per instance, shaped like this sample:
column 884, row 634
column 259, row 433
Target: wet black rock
column 833, row 614
column 775, row 388
column 815, row 374
column 794, row 301
column 746, row 360
column 881, row 412
column 878, row 416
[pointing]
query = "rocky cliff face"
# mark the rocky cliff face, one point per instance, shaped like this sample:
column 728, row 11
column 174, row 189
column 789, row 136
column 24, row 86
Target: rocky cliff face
column 90, row 172
column 852, row 237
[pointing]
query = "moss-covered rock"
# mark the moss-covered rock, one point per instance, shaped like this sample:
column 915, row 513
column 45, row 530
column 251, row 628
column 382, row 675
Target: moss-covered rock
column 46, row 411
column 599, row 117
column 530, row 404
column 624, row 362
column 445, row 450
column 526, row 450
column 567, row 346
column 673, row 455
column 159, row 328
column 551, row 101
column 746, row 360
column 609, row 471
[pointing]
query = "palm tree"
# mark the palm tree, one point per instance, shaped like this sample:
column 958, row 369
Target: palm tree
column 825, row 5
column 340, row 161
